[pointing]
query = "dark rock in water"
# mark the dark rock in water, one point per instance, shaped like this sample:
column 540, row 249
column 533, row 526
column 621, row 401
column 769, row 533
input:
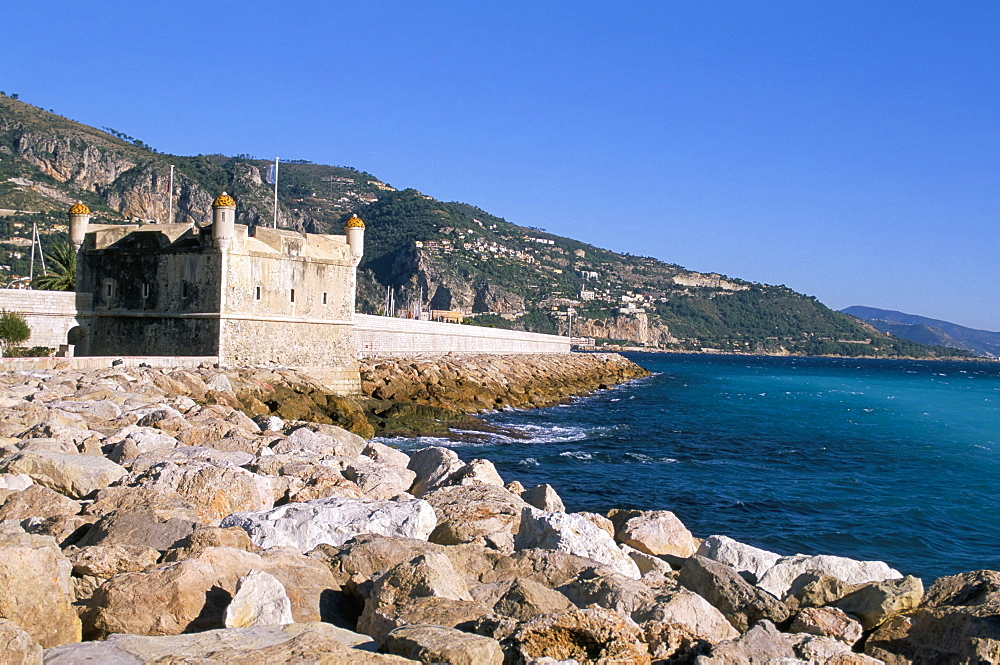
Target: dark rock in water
column 408, row 419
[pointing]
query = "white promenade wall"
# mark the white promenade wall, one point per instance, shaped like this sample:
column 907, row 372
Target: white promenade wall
column 388, row 336
column 49, row 314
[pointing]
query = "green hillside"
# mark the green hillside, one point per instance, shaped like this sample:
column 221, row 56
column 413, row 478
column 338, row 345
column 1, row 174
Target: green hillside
column 429, row 254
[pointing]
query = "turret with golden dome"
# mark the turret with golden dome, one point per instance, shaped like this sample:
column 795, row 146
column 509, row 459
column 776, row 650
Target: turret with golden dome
column 354, row 223
column 223, row 221
column 354, row 229
column 224, row 200
column 79, row 220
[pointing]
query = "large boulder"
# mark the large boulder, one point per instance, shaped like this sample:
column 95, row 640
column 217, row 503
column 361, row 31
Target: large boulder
column 37, row 501
column 573, row 534
column 742, row 603
column 132, row 441
column 35, row 588
column 610, row 590
column 432, row 466
column 214, row 490
column 75, row 476
column 873, row 603
column 551, row 568
column 749, row 561
column 827, row 622
column 192, row 594
column 587, row 636
column 521, row 599
column 107, row 561
column 543, row 497
column 780, row 580
column 311, row 642
column 378, row 480
column 438, row 644
column 322, row 440
column 334, row 521
column 483, row 514
column 139, row 527
column 17, row 646
column 956, row 623
column 260, row 600
column 378, row 620
column 686, row 608
column 656, row 532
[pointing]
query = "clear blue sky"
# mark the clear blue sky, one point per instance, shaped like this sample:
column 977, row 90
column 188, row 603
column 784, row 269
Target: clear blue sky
column 847, row 149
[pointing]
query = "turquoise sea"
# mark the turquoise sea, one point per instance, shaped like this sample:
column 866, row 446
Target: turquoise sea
column 872, row 459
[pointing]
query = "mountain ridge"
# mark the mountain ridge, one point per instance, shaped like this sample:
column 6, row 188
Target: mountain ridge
column 926, row 330
column 424, row 253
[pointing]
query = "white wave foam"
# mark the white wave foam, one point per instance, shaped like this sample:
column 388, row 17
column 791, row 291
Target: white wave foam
column 577, row 454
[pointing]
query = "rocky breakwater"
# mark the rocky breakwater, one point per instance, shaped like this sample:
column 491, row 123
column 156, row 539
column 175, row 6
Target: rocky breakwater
column 480, row 383
column 139, row 524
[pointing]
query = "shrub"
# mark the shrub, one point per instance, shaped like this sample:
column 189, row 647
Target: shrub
column 13, row 330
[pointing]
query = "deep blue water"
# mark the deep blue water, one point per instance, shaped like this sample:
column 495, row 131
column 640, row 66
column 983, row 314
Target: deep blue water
column 872, row 459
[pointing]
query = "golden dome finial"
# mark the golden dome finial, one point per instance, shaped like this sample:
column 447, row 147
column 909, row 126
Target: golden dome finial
column 224, row 201
column 79, row 209
column 354, row 223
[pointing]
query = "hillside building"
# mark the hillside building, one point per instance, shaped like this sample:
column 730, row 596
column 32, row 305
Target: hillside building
column 244, row 295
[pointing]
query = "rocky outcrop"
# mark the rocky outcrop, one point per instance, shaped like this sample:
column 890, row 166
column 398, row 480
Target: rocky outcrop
column 472, row 384
column 211, row 530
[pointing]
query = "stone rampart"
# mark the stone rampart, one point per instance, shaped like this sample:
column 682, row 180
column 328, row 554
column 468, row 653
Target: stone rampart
column 387, row 336
column 49, row 314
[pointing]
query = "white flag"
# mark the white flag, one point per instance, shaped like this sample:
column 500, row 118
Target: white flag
column 270, row 174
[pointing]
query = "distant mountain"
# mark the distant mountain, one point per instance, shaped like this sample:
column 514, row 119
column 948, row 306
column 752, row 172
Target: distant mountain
column 428, row 254
column 933, row 332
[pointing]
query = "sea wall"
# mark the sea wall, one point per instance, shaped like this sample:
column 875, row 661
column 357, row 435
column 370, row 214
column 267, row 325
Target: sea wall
column 387, row 336
column 485, row 382
column 49, row 314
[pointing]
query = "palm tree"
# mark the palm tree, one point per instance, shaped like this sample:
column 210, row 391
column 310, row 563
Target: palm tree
column 62, row 273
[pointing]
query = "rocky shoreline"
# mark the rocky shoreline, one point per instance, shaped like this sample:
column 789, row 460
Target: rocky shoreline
column 194, row 516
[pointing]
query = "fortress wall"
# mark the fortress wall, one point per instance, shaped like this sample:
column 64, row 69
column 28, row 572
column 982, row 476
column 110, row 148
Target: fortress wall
column 388, row 336
column 49, row 314
column 103, row 362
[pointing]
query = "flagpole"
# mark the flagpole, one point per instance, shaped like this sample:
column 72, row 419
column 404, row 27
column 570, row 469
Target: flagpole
column 275, row 192
column 31, row 265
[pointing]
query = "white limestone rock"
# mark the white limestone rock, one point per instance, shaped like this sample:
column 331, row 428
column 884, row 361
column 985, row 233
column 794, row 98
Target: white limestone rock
column 780, row 578
column 386, row 454
column 219, row 382
column 224, row 645
column 16, row 482
column 260, row 600
column 334, row 521
column 691, row 610
column 379, row 481
column 656, row 532
column 323, row 440
column 739, row 556
column 433, row 466
column 544, row 497
column 76, row 476
column 476, row 472
column 573, row 534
